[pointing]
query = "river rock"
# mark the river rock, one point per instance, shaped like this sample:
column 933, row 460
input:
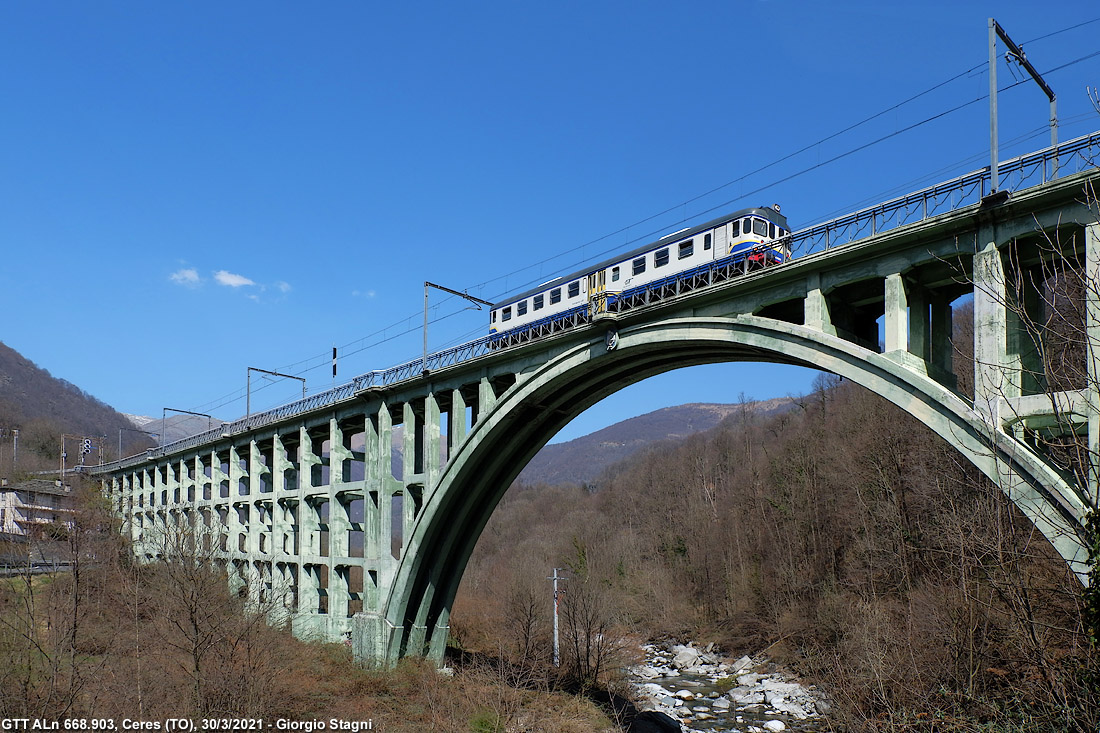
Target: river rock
column 775, row 726
column 741, row 664
column 746, row 696
column 685, row 657
column 792, row 709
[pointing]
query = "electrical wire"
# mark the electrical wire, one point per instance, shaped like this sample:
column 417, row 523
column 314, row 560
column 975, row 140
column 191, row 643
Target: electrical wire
column 365, row 343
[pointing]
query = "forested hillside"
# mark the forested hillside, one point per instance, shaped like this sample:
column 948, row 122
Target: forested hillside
column 43, row 407
column 583, row 459
column 842, row 536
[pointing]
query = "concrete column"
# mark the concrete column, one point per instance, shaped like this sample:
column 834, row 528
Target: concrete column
column 896, row 314
column 942, row 351
column 432, row 446
column 373, row 473
column 338, row 591
column 408, row 450
column 991, row 375
column 280, row 464
column 307, row 459
column 235, row 527
column 237, row 474
column 816, row 309
column 309, row 526
column 339, row 524
column 486, row 397
column 256, row 468
column 920, row 344
column 337, row 453
column 456, row 422
column 1022, row 317
column 1092, row 331
column 309, row 588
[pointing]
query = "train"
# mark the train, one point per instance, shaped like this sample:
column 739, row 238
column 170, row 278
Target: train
column 754, row 238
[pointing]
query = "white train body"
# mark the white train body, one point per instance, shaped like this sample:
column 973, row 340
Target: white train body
column 757, row 237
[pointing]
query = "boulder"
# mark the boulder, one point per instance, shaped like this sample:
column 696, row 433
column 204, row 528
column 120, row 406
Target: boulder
column 775, row 726
column 685, row 657
column 741, row 664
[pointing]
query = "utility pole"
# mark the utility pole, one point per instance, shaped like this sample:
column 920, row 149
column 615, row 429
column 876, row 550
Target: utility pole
column 135, row 430
column 476, row 301
column 248, row 391
column 1014, row 53
column 557, row 597
column 163, row 415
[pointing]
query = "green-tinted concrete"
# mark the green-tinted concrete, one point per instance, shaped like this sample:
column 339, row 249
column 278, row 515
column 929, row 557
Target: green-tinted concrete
column 302, row 512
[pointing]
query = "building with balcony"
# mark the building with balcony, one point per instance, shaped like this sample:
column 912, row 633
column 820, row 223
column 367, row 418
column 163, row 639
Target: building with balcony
column 30, row 505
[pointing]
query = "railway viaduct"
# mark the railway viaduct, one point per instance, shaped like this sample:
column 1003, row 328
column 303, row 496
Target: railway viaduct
column 298, row 503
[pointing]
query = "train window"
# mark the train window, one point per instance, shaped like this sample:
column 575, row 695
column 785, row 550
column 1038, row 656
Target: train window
column 574, row 288
column 759, row 226
column 706, row 241
column 506, row 314
column 687, row 249
column 614, row 274
column 771, row 230
column 494, row 316
column 660, row 257
column 638, row 266
column 746, row 226
column 537, row 302
column 521, row 308
column 555, row 296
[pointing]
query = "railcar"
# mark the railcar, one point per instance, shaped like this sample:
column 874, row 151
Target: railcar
column 753, row 237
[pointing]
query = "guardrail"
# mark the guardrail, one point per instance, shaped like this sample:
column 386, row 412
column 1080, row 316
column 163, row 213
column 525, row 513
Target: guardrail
column 380, row 378
column 1017, row 173
column 34, row 568
column 1023, row 171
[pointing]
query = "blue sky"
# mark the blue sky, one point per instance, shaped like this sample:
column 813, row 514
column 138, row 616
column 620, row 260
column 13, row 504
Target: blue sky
column 187, row 190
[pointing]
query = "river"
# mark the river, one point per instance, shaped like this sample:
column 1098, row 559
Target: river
column 707, row 693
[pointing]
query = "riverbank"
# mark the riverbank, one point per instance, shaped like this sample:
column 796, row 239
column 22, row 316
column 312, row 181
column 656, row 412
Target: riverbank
column 708, row 693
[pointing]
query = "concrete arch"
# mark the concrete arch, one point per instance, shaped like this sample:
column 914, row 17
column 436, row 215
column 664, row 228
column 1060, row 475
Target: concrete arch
column 543, row 400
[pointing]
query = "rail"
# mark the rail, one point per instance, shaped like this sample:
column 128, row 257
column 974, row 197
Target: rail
column 1015, row 174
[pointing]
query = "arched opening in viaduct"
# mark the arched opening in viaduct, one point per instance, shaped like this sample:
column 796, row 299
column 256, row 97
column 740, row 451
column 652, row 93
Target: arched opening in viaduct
column 546, row 399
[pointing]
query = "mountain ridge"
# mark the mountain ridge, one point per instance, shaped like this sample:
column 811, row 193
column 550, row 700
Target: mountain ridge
column 583, row 459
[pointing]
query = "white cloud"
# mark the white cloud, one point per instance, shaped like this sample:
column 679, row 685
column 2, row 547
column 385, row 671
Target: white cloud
column 283, row 287
column 230, row 279
column 188, row 276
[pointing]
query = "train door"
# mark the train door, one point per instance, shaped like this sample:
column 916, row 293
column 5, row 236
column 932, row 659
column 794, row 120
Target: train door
column 597, row 296
column 721, row 248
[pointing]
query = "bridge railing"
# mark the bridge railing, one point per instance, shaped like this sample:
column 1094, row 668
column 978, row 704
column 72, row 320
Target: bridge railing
column 1016, row 173
column 379, row 378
